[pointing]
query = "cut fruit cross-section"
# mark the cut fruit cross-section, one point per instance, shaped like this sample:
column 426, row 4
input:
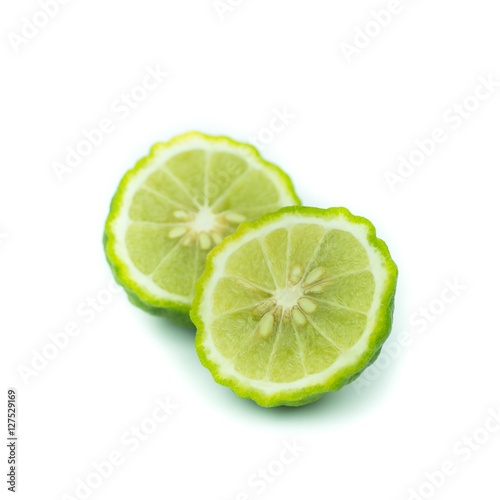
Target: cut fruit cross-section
column 294, row 305
column 175, row 206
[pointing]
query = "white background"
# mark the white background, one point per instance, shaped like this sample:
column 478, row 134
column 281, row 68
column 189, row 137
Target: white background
column 351, row 123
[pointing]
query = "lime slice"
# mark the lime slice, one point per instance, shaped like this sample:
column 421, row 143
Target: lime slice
column 294, row 305
column 177, row 204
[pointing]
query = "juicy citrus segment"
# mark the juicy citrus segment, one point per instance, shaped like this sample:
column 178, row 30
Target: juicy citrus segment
column 176, row 205
column 318, row 351
column 167, row 275
column 353, row 291
column 294, row 305
column 189, row 169
column 149, row 206
column 232, row 293
column 226, row 342
column 285, row 363
column 250, row 264
column 224, row 169
column 298, row 252
column 342, row 327
column 163, row 183
column 339, row 252
column 148, row 244
column 274, row 245
column 252, row 360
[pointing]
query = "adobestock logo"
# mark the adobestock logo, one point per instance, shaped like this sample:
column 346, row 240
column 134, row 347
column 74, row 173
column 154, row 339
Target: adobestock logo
column 426, row 315
column 223, row 7
column 130, row 441
column 30, row 28
column 264, row 476
column 58, row 341
column 267, row 475
column 463, row 450
column 366, row 33
column 121, row 108
column 279, row 121
column 453, row 119
column 420, row 321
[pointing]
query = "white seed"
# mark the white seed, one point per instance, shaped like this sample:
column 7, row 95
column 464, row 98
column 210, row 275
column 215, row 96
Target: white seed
column 286, row 314
column 180, row 214
column 315, row 275
column 307, row 305
column 188, row 240
column 264, row 307
column 295, row 275
column 235, row 217
column 178, row 231
column 205, row 241
column 278, row 312
column 265, row 327
column 316, row 288
column 216, row 237
column 298, row 316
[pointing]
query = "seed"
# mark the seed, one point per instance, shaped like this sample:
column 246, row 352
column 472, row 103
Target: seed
column 298, row 316
column 307, row 305
column 235, row 217
column 317, row 288
column 205, row 242
column 265, row 327
column 180, row 214
column 295, row 275
column 188, row 239
column 278, row 312
column 315, row 275
column 176, row 232
column 216, row 237
column 263, row 308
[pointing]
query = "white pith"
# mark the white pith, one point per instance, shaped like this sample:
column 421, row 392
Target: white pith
column 288, row 297
column 347, row 357
column 204, row 221
column 201, row 224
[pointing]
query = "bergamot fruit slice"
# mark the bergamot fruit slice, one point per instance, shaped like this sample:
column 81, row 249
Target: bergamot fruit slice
column 177, row 204
column 294, row 305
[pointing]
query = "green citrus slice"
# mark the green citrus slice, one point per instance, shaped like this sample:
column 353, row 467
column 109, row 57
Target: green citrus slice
column 294, row 305
column 175, row 205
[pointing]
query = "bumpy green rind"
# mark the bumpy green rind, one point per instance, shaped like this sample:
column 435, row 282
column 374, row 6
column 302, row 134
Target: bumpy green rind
column 178, row 312
column 300, row 397
column 181, row 317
